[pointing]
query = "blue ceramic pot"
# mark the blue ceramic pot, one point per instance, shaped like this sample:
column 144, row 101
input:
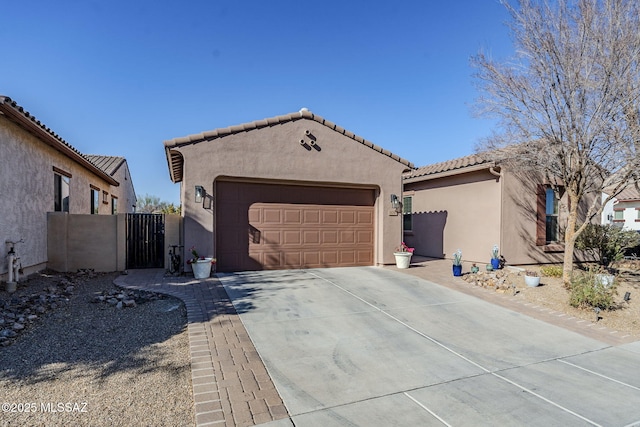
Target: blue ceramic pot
column 495, row 263
column 457, row 270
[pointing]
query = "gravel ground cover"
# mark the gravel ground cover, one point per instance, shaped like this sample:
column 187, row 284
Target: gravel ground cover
column 86, row 362
column 551, row 294
column 624, row 318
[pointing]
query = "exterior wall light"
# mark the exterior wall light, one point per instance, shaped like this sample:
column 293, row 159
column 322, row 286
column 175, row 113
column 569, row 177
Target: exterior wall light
column 200, row 192
column 395, row 202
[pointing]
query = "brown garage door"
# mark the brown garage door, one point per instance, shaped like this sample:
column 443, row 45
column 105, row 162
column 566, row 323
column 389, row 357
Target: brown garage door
column 267, row 226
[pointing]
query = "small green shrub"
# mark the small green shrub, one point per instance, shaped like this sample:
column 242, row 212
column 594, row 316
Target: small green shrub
column 551, row 270
column 586, row 292
column 606, row 243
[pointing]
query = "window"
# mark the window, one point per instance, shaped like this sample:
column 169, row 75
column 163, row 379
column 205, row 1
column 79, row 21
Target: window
column 95, row 200
column 618, row 214
column 60, row 192
column 551, row 211
column 547, row 208
column 638, row 213
column 114, row 205
column 407, row 208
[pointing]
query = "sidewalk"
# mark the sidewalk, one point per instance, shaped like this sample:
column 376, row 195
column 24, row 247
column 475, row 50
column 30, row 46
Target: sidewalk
column 231, row 386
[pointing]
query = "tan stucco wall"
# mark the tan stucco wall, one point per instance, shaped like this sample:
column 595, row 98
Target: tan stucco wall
column 125, row 192
column 275, row 153
column 456, row 212
column 28, row 193
column 473, row 211
column 86, row 241
column 172, row 235
column 519, row 224
column 96, row 241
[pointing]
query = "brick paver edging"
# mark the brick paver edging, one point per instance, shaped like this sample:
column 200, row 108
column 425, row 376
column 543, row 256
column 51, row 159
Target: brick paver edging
column 231, row 386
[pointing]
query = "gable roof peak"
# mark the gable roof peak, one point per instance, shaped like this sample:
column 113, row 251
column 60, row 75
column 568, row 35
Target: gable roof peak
column 175, row 166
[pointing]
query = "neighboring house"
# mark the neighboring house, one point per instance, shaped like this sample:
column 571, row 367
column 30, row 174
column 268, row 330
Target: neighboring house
column 121, row 199
column 624, row 209
column 42, row 173
column 293, row 191
column 473, row 202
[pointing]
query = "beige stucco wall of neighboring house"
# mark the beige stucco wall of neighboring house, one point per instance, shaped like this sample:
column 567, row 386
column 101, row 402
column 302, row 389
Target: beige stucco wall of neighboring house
column 275, row 154
column 125, row 192
column 460, row 211
column 27, row 178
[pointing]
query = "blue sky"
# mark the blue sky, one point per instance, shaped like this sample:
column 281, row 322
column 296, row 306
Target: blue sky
column 120, row 77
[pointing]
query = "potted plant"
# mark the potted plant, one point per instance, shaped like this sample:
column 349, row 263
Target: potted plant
column 475, row 268
column 457, row 263
column 531, row 278
column 403, row 255
column 604, row 278
column 495, row 257
column 200, row 265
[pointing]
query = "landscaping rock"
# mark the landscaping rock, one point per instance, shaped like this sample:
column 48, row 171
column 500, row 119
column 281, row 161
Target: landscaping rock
column 499, row 280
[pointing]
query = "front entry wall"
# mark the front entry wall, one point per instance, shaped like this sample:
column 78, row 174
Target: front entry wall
column 267, row 226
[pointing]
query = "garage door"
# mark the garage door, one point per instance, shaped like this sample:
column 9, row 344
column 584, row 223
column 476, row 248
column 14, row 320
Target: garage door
column 268, row 226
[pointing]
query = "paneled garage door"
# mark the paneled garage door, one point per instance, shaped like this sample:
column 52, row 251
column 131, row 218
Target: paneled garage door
column 267, row 226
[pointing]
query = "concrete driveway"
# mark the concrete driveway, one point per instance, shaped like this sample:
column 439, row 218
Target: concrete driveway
column 368, row 346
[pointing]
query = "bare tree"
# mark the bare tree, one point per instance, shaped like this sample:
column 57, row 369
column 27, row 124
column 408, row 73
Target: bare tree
column 153, row 204
column 148, row 204
column 567, row 103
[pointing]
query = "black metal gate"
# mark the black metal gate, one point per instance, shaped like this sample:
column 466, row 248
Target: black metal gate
column 145, row 240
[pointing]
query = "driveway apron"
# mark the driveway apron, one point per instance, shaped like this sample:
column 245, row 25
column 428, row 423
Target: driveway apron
column 369, row 346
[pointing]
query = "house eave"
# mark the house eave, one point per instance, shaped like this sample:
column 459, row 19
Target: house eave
column 16, row 114
column 451, row 172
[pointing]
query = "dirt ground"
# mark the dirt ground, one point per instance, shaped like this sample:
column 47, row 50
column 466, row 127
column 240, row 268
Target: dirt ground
column 624, row 318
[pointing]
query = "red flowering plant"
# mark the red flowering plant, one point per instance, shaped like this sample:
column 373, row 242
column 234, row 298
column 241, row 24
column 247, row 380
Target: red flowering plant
column 404, row 248
column 197, row 257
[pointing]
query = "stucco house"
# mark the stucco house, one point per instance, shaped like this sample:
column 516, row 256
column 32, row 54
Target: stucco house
column 624, row 209
column 472, row 203
column 43, row 173
column 292, row 191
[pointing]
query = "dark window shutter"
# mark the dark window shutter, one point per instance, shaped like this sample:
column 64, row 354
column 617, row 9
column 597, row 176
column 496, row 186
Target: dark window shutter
column 541, row 216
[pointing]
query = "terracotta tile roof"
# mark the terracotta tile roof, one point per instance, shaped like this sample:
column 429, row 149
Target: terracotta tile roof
column 175, row 159
column 461, row 164
column 629, row 194
column 12, row 111
column 109, row 164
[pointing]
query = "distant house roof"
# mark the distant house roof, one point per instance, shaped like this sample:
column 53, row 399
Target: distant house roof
column 175, row 159
column 109, row 164
column 12, row 111
column 450, row 167
column 629, row 194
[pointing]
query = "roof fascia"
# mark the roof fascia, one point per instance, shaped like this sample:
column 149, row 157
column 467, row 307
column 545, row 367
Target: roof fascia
column 30, row 126
column 448, row 173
